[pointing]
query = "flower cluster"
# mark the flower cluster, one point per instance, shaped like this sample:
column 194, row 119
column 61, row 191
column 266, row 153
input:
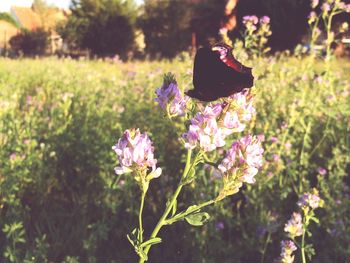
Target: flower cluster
column 256, row 33
column 294, row 226
column 311, row 200
column 250, row 20
column 287, row 249
column 240, row 164
column 135, row 154
column 210, row 127
column 170, row 97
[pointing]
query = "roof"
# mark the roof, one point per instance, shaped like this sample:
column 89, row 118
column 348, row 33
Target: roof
column 26, row 17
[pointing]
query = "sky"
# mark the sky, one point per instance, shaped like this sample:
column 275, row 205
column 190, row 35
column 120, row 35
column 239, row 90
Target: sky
column 6, row 4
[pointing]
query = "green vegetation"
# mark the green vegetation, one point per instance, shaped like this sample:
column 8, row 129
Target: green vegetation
column 60, row 200
column 6, row 17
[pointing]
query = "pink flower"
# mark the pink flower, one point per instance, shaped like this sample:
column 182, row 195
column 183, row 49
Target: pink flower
column 250, row 19
column 294, row 226
column 321, row 171
column 314, row 3
column 326, row 7
column 244, row 156
column 287, row 249
column 135, row 153
column 312, row 200
column 265, row 20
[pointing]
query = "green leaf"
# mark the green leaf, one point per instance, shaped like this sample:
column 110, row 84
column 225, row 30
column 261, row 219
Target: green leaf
column 151, row 242
column 197, row 219
column 130, row 240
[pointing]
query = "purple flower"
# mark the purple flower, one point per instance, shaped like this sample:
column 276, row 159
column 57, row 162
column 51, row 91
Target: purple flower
column 276, row 157
column 135, row 153
column 312, row 199
column 265, row 20
column 245, row 157
column 273, row 139
column 294, row 226
column 170, row 98
column 250, row 19
column 312, row 17
column 321, row 171
column 204, row 130
column 219, row 226
column 326, row 7
column 287, row 249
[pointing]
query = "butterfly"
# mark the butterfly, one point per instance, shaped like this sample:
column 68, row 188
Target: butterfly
column 217, row 74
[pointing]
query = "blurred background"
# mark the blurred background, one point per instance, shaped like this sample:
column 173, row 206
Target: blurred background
column 141, row 28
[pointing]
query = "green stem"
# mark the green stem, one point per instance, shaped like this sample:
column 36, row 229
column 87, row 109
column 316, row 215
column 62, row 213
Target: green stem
column 265, row 247
column 173, row 199
column 140, row 214
column 303, row 248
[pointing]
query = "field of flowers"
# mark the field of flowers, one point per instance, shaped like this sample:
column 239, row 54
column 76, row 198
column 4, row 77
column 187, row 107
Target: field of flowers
column 60, row 200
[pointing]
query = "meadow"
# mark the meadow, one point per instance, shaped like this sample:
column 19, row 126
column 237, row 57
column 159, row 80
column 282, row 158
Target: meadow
column 60, row 200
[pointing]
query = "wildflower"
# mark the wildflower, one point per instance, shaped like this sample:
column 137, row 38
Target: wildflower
column 326, row 7
column 347, row 8
column 240, row 110
column 250, row 19
column 312, row 200
column 170, row 98
column 135, row 154
column 204, row 129
column 312, row 17
column 219, row 226
column 276, row 157
column 321, row 171
column 273, row 139
column 209, row 128
column 265, row 20
column 287, row 248
column 294, row 226
column 314, row 3
column 240, row 164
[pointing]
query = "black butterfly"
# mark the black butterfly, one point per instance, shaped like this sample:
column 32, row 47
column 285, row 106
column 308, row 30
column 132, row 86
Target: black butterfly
column 217, row 74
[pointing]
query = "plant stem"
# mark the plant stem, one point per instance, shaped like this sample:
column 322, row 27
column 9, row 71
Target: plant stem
column 140, row 215
column 265, row 247
column 303, row 244
column 173, row 199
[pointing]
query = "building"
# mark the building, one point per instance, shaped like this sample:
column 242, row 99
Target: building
column 27, row 18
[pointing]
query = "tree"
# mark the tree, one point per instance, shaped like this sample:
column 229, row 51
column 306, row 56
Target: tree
column 165, row 25
column 105, row 27
column 30, row 42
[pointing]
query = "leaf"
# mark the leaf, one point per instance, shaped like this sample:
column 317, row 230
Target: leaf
column 197, row 219
column 151, row 242
column 130, row 240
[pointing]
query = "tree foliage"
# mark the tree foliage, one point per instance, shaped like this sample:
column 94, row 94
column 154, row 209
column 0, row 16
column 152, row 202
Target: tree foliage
column 6, row 17
column 30, row 43
column 105, row 27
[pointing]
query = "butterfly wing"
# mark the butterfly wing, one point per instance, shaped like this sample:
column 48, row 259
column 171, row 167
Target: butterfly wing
column 216, row 76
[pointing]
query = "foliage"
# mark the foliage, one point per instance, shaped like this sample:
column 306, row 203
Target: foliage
column 105, row 27
column 165, row 25
column 6, row 17
column 57, row 165
column 30, row 42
